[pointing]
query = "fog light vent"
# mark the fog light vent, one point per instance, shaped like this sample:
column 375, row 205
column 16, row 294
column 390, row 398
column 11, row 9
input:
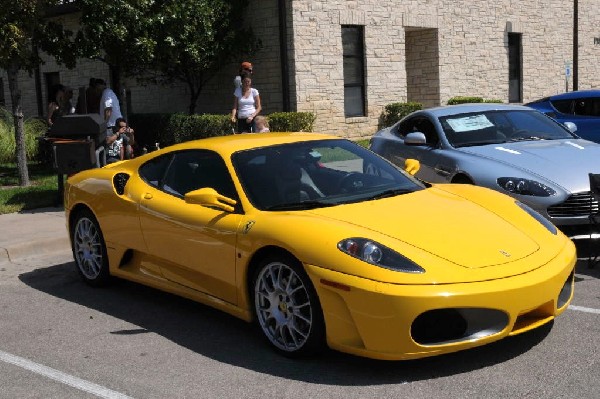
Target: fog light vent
column 443, row 326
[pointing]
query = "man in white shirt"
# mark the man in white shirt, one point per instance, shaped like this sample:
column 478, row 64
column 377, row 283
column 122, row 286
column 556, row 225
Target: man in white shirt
column 109, row 105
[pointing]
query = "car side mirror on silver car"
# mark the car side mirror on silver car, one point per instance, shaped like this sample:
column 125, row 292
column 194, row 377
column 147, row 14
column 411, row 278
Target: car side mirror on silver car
column 571, row 126
column 415, row 138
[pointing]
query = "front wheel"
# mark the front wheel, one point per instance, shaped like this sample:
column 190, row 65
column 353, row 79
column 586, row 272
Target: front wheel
column 287, row 307
column 89, row 249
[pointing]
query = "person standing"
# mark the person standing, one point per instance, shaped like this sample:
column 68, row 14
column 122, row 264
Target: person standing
column 56, row 104
column 245, row 68
column 110, row 109
column 246, row 105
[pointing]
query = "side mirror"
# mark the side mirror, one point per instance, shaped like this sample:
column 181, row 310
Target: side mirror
column 209, row 197
column 412, row 166
column 571, row 127
column 415, row 138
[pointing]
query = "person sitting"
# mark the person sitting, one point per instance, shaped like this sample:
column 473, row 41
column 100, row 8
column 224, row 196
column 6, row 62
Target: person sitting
column 262, row 124
column 128, row 136
column 114, row 146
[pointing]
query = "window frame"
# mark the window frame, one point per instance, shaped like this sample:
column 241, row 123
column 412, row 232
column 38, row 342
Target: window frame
column 355, row 60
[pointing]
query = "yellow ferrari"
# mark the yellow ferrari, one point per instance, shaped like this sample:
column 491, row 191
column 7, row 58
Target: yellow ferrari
column 321, row 242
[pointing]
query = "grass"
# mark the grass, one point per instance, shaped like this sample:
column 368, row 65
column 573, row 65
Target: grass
column 42, row 192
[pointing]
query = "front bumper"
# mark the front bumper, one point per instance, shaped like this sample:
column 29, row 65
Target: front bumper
column 395, row 322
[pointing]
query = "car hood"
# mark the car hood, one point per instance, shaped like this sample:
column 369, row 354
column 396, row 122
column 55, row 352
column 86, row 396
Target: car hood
column 564, row 162
column 441, row 223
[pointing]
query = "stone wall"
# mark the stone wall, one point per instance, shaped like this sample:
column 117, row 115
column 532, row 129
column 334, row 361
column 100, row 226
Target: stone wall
column 416, row 50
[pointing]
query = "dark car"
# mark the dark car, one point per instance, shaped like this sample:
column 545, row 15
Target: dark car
column 580, row 107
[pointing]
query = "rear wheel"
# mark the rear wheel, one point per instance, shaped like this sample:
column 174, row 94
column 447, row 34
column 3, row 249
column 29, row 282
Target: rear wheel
column 89, row 249
column 287, row 307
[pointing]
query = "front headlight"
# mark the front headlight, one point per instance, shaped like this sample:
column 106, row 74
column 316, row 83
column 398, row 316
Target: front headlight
column 545, row 222
column 379, row 255
column 521, row 186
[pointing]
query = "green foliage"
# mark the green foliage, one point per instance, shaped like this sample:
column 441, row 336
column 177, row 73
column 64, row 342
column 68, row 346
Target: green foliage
column 165, row 41
column 34, row 128
column 393, row 112
column 471, row 100
column 291, row 121
column 191, row 127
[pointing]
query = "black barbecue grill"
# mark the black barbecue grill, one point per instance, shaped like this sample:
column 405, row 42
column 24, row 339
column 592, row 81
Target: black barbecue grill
column 77, row 143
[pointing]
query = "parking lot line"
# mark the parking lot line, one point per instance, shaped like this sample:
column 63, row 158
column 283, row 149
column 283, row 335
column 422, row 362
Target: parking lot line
column 583, row 309
column 61, row 377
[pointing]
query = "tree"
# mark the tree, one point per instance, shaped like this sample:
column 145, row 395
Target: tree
column 24, row 29
column 197, row 38
column 164, row 41
column 119, row 34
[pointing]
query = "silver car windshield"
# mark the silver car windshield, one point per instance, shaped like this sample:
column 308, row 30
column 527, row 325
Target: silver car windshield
column 493, row 127
column 320, row 173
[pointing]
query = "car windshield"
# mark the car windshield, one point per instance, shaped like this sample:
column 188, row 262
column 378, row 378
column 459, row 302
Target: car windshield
column 494, row 127
column 320, row 173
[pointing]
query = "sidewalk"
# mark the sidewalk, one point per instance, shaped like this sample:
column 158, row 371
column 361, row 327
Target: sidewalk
column 33, row 233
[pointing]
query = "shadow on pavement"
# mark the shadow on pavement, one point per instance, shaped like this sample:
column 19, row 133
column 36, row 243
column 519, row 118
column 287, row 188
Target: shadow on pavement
column 224, row 338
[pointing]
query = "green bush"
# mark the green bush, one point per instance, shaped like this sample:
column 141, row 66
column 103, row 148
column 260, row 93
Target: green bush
column 393, row 112
column 492, row 100
column 291, row 121
column 183, row 127
column 168, row 129
column 464, row 100
column 469, row 100
column 34, row 128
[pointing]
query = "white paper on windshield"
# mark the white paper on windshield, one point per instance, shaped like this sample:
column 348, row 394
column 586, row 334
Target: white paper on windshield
column 469, row 123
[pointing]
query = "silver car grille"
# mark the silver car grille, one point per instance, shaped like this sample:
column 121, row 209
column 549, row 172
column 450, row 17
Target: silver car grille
column 576, row 205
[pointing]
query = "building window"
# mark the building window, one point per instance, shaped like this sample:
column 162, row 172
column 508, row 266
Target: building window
column 354, row 70
column 515, row 68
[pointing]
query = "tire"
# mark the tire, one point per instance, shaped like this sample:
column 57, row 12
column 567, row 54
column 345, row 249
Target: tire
column 286, row 306
column 89, row 249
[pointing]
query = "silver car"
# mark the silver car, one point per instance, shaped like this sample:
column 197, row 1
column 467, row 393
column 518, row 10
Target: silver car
column 509, row 148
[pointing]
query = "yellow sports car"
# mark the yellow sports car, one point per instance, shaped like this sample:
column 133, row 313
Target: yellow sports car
column 287, row 231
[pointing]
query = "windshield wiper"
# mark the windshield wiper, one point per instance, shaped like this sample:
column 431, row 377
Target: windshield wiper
column 391, row 193
column 299, row 206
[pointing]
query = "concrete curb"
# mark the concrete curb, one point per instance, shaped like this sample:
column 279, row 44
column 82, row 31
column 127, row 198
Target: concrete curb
column 33, row 233
column 34, row 248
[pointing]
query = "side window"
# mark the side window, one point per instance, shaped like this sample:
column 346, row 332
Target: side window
column 422, row 125
column 426, row 127
column 191, row 170
column 587, row 106
column 406, row 127
column 152, row 172
column 563, row 106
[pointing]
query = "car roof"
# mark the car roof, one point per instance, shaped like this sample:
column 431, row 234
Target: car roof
column 571, row 95
column 474, row 107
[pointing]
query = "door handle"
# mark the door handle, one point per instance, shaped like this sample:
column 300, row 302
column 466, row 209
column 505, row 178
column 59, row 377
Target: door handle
column 147, row 196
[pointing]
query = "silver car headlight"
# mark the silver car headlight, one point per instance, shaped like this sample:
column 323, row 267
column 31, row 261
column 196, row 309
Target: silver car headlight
column 379, row 255
column 545, row 222
column 521, row 186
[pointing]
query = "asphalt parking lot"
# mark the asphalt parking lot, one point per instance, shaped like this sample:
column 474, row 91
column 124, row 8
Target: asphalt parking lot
column 62, row 339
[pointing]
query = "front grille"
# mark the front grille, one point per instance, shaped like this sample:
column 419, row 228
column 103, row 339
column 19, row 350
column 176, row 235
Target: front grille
column 579, row 204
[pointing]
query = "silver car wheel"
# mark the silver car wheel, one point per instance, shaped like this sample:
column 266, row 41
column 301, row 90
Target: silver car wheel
column 87, row 248
column 283, row 306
